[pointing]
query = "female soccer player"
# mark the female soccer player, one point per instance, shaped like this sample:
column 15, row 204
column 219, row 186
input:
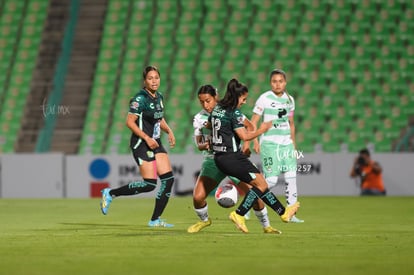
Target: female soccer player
column 210, row 176
column 146, row 120
column 227, row 131
column 277, row 146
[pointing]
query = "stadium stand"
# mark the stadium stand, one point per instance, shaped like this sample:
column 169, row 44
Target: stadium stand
column 349, row 66
column 21, row 26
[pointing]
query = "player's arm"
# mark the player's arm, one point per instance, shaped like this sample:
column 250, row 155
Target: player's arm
column 292, row 129
column 171, row 138
column 246, row 144
column 248, row 124
column 132, row 125
column 255, row 120
column 199, row 137
column 244, row 135
column 200, row 143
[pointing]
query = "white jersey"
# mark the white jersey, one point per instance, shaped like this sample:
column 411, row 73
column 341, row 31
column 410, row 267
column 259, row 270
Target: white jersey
column 200, row 121
column 278, row 110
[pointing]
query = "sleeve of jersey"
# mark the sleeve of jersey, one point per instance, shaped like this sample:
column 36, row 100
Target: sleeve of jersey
column 238, row 119
column 259, row 106
column 135, row 105
column 197, row 125
column 292, row 108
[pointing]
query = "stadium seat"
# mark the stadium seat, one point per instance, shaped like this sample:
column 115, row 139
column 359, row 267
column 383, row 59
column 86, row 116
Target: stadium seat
column 338, row 72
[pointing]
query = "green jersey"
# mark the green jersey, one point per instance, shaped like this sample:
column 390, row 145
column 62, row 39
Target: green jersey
column 278, row 110
column 224, row 122
column 150, row 111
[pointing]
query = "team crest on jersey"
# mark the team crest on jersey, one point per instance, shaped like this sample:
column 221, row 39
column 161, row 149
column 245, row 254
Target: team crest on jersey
column 150, row 154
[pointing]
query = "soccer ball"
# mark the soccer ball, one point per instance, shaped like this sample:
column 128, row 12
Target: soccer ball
column 226, row 195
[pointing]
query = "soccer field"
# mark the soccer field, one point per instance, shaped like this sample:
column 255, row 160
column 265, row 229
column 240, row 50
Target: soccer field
column 341, row 235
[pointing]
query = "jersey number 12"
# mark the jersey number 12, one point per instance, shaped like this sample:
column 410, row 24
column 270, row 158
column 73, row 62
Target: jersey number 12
column 216, row 127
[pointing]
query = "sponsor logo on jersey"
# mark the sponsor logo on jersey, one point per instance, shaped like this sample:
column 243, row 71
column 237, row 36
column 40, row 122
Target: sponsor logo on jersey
column 158, row 115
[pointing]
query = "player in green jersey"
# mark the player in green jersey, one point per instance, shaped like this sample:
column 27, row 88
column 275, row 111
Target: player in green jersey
column 146, row 121
column 210, row 176
column 277, row 146
column 227, row 132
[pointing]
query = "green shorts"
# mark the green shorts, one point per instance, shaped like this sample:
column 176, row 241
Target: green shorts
column 209, row 169
column 277, row 159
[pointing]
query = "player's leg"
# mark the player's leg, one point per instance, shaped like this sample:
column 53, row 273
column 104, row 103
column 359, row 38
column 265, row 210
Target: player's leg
column 291, row 191
column 147, row 184
column 239, row 166
column 277, row 159
column 203, row 187
column 242, row 190
column 209, row 178
column 259, row 190
column 260, row 211
column 164, row 170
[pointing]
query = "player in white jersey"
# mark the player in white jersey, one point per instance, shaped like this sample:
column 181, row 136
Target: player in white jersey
column 277, row 146
column 210, row 176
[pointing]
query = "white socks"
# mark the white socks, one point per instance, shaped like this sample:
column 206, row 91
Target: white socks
column 262, row 217
column 202, row 213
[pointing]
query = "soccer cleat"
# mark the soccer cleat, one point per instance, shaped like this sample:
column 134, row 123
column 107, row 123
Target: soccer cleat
column 296, row 220
column 198, row 226
column 239, row 221
column 106, row 200
column 290, row 212
column 271, row 230
column 159, row 223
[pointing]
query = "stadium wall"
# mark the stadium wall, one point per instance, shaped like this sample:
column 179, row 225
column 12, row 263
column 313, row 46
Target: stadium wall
column 82, row 176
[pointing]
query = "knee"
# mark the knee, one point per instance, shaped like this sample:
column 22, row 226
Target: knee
column 150, row 185
column 198, row 198
column 271, row 182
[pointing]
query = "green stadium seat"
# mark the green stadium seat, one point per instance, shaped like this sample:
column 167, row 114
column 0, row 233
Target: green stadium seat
column 365, row 64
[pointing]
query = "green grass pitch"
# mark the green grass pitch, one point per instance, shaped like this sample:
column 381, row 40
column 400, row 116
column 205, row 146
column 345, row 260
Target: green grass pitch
column 341, row 235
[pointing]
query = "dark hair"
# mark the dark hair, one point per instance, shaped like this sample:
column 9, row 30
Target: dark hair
column 149, row 69
column 207, row 89
column 281, row 72
column 277, row 71
column 235, row 89
column 364, row 151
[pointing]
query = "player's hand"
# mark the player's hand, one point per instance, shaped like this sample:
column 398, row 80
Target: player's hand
column 152, row 143
column 247, row 152
column 256, row 146
column 204, row 146
column 171, row 139
column 265, row 126
column 246, row 149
